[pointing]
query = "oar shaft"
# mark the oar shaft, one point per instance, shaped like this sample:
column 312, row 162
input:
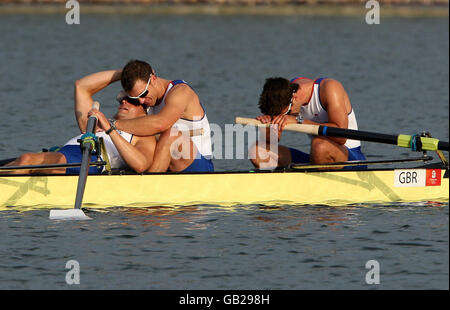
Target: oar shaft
column 83, row 176
column 359, row 163
column 357, row 135
column 443, row 146
column 84, row 169
column 88, row 142
column 49, row 166
column 5, row 161
column 428, row 144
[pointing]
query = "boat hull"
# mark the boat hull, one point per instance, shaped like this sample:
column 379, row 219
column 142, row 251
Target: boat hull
column 225, row 189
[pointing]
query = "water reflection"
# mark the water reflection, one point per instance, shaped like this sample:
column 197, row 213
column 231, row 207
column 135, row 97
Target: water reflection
column 201, row 217
column 271, row 217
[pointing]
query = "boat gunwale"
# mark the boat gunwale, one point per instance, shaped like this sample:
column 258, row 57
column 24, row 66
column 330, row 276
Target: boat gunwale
column 256, row 171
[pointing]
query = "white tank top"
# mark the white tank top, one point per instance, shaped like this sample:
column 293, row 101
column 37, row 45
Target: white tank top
column 203, row 142
column 114, row 157
column 314, row 111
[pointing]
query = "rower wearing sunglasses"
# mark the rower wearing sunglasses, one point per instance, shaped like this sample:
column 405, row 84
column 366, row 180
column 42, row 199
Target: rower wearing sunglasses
column 173, row 108
column 124, row 151
column 305, row 101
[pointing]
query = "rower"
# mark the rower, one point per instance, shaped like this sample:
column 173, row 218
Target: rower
column 302, row 100
column 124, row 149
column 173, row 107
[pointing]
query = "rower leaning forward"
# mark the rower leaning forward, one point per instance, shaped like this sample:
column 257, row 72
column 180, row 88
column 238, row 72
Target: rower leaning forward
column 173, row 109
column 302, row 100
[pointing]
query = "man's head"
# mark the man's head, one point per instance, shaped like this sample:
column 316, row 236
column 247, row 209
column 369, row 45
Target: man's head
column 276, row 96
column 133, row 71
column 127, row 110
column 136, row 79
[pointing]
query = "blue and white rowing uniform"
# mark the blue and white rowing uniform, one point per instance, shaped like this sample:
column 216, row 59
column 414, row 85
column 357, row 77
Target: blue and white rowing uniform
column 315, row 112
column 202, row 162
column 72, row 151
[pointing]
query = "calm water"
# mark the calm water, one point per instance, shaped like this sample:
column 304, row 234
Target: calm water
column 396, row 74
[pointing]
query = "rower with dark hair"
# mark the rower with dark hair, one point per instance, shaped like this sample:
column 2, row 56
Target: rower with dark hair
column 305, row 101
column 173, row 107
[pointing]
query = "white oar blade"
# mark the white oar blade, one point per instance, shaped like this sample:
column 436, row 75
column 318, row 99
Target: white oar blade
column 71, row 214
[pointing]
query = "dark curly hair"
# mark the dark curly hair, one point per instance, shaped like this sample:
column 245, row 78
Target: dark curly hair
column 276, row 95
column 133, row 71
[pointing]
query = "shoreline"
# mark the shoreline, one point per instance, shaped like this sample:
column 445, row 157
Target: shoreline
column 218, row 9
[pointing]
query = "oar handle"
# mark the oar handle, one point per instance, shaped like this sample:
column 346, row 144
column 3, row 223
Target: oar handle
column 303, row 128
column 96, row 105
column 92, row 120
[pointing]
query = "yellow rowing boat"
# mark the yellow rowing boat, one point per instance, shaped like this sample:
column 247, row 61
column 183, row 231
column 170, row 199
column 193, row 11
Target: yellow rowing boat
column 330, row 187
column 298, row 185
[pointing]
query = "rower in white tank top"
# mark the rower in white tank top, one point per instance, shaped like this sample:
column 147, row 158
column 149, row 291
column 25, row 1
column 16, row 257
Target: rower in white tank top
column 116, row 161
column 202, row 142
column 314, row 111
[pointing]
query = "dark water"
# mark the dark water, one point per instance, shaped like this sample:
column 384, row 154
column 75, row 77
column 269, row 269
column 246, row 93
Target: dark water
column 252, row 247
column 396, row 74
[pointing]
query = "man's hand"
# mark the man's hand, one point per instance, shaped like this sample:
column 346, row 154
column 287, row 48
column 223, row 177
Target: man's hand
column 102, row 121
column 282, row 120
column 265, row 119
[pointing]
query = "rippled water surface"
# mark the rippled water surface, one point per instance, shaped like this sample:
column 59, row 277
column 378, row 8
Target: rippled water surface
column 396, row 74
column 252, row 247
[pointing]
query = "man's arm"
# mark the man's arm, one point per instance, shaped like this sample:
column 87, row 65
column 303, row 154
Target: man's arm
column 176, row 103
column 334, row 97
column 86, row 87
column 139, row 155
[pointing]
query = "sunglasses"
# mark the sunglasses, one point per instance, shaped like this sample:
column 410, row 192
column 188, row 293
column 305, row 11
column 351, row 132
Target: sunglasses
column 289, row 109
column 135, row 99
column 134, row 102
column 294, row 90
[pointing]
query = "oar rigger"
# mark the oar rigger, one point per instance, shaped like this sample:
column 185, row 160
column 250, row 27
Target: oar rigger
column 91, row 138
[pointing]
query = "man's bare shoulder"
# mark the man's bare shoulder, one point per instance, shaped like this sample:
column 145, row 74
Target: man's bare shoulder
column 331, row 84
column 180, row 92
column 330, row 88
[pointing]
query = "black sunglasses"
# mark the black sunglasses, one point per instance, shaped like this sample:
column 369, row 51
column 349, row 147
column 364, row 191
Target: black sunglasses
column 134, row 102
column 143, row 94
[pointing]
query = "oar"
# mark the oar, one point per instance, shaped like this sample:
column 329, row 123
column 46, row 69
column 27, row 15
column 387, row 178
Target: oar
column 86, row 145
column 358, row 163
column 5, row 161
column 414, row 142
column 49, row 166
